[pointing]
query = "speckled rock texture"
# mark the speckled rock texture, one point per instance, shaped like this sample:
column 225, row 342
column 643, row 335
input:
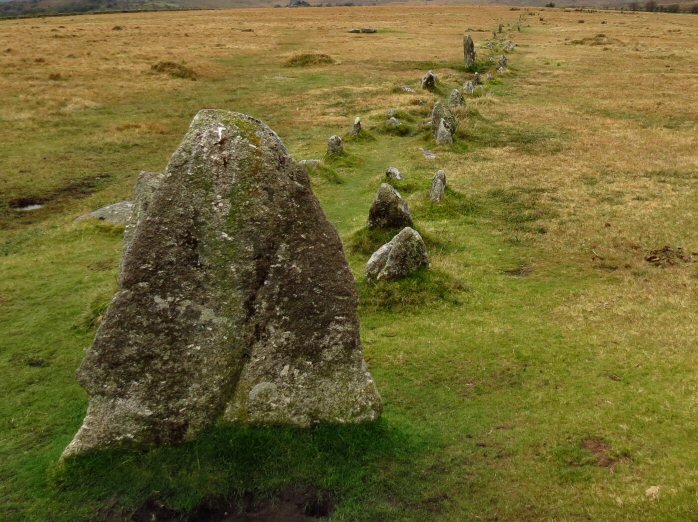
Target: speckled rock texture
column 429, row 81
column 335, row 145
column 388, row 209
column 402, row 256
column 393, row 173
column 456, row 99
column 438, row 187
column 235, row 301
column 147, row 184
column 443, row 124
column 116, row 214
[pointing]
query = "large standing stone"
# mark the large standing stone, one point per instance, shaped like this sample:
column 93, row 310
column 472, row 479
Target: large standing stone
column 403, row 255
column 429, row 81
column 335, row 145
column 389, row 210
column 468, row 51
column 443, row 123
column 438, row 187
column 235, row 296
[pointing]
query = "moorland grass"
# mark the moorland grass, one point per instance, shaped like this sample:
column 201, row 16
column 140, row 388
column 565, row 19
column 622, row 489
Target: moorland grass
column 540, row 370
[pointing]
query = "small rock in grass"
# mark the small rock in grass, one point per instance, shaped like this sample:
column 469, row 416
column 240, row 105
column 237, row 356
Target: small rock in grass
column 389, row 210
column 429, row 81
column 403, row 255
column 335, row 145
column 438, row 187
column 393, row 173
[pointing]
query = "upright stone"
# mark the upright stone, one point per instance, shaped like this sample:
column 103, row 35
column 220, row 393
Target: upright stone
column 456, row 98
column 468, row 51
column 429, row 81
column 389, row 210
column 335, row 145
column 356, row 128
column 469, row 88
column 402, row 256
column 235, row 301
column 393, row 173
column 443, row 123
column 438, row 187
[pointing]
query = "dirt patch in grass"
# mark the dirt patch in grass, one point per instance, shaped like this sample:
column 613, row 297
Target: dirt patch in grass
column 292, row 505
column 309, row 60
column 669, row 256
column 601, row 451
column 521, row 271
column 175, row 70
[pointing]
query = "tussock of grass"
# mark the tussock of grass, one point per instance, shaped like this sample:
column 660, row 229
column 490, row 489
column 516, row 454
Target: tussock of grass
column 363, row 137
column 423, row 288
column 309, row 60
column 327, row 173
column 175, row 70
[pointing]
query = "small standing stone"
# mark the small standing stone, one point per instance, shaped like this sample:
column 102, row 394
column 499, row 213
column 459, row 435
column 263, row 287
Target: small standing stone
column 389, row 210
column 503, row 61
column 509, row 46
column 335, row 146
column 456, row 98
column 393, row 122
column 393, row 173
column 477, row 80
column 403, row 255
column 501, row 70
column 444, row 135
column 489, row 77
column 356, row 129
column 429, row 81
column 468, row 51
column 438, row 187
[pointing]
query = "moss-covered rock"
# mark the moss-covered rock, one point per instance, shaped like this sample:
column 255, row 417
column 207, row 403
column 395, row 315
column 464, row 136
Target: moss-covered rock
column 235, row 301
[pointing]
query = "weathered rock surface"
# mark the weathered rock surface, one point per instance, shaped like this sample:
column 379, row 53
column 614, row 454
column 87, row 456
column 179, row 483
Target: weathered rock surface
column 443, row 124
column 356, row 128
column 469, row 88
column 502, row 62
column 116, row 214
column 235, row 300
column 393, row 122
column 456, row 98
column 335, row 145
column 147, row 184
column 509, row 46
column 429, row 81
column 438, row 187
column 402, row 256
column 389, row 210
column 310, row 163
column 477, row 79
column 393, row 173
column 468, row 50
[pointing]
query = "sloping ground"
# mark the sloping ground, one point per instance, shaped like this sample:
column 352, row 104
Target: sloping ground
column 544, row 369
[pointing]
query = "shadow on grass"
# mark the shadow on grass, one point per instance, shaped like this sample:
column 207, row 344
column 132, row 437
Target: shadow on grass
column 231, row 462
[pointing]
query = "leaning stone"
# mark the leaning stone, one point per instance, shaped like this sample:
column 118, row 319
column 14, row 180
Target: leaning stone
column 456, row 98
column 469, row 88
column 393, row 122
column 388, row 209
column 393, row 173
column 442, row 114
column 116, row 214
column 468, row 50
column 356, row 129
column 402, row 256
column 235, row 301
column 429, row 81
column 335, row 145
column 438, row 187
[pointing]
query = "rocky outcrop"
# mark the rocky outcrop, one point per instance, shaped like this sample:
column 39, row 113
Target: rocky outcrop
column 402, row 256
column 235, row 301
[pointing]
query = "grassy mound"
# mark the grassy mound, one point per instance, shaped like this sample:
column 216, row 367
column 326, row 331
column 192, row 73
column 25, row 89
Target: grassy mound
column 309, row 60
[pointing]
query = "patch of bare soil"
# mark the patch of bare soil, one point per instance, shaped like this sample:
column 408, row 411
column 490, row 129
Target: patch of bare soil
column 521, row 271
column 601, row 451
column 669, row 256
column 291, row 505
